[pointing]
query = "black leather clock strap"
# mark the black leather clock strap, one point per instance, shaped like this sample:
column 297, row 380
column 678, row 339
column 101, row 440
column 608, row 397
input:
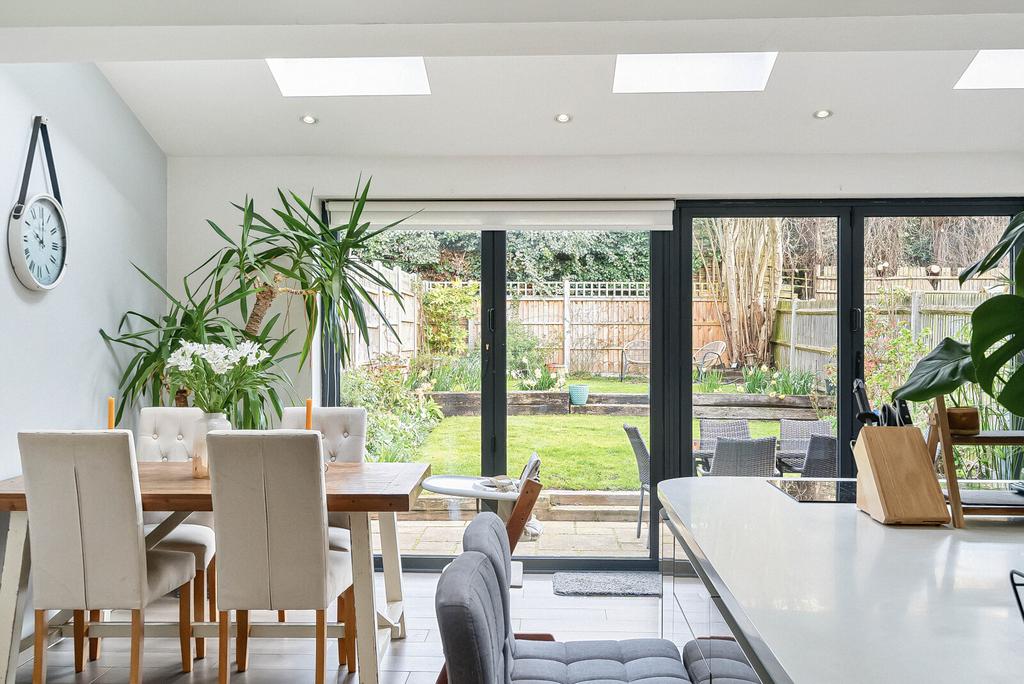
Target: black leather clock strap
column 39, row 129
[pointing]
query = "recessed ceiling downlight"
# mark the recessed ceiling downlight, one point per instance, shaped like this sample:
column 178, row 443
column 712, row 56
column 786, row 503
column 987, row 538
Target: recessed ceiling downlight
column 308, row 119
column 822, row 114
column 563, row 117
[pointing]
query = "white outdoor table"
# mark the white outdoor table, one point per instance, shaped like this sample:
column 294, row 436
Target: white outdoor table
column 820, row 592
column 357, row 488
column 474, row 487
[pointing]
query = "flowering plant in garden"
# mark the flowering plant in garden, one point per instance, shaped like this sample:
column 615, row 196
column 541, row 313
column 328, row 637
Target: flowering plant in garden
column 220, row 376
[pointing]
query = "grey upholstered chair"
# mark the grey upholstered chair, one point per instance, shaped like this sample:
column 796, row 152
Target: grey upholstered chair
column 643, row 467
column 821, row 457
column 473, row 611
column 744, row 457
column 711, row 430
column 270, row 508
column 794, row 439
column 168, row 433
column 88, row 548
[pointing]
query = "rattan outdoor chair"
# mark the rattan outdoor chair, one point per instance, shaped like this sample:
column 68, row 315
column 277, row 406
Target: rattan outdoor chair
column 795, row 438
column 744, row 457
column 821, row 457
column 643, row 467
column 710, row 432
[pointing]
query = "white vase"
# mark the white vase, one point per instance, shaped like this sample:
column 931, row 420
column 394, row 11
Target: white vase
column 200, row 456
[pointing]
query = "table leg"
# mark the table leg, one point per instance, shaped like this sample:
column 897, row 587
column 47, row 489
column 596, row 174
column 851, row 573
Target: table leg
column 13, row 592
column 366, row 605
column 157, row 534
column 391, row 559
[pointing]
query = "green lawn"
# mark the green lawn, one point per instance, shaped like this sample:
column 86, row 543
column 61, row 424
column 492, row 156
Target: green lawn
column 578, row 451
column 601, row 385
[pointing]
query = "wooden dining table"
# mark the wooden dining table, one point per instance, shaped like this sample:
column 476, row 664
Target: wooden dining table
column 359, row 489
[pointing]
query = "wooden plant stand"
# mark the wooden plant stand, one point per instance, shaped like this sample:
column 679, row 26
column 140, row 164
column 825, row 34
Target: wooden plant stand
column 939, row 434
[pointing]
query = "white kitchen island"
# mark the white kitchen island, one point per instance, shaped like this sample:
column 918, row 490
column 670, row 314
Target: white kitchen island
column 818, row 593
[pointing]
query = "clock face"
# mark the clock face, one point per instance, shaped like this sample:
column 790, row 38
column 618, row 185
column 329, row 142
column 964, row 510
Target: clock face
column 42, row 243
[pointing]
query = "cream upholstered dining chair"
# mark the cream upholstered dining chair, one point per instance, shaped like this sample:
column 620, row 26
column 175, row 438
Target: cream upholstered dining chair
column 168, row 433
column 86, row 533
column 270, row 512
column 343, row 434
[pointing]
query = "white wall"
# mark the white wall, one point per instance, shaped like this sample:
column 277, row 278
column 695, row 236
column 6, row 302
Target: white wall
column 55, row 370
column 203, row 187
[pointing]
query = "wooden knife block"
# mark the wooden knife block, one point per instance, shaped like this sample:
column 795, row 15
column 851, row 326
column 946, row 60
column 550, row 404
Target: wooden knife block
column 896, row 483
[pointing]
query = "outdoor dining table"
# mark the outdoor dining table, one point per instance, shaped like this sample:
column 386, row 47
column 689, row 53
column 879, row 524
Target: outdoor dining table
column 355, row 488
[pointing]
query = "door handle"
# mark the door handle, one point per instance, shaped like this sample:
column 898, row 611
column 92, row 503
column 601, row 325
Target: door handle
column 490, row 319
column 856, row 319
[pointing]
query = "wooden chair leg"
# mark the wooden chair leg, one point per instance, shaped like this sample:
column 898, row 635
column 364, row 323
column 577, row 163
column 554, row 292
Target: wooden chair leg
column 185, row 625
column 321, row 647
column 223, row 636
column 350, row 628
column 138, row 632
column 94, row 642
column 79, row 640
column 341, row 642
column 280, row 616
column 39, row 655
column 199, row 608
column 211, row 583
column 242, row 639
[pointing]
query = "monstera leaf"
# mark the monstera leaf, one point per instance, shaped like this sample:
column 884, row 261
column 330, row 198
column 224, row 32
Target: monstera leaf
column 940, row 372
column 997, row 342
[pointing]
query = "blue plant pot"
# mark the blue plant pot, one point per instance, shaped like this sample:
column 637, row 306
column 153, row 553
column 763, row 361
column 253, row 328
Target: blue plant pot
column 578, row 394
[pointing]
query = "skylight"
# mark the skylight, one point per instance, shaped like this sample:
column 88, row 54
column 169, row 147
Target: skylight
column 707, row 72
column 343, row 76
column 993, row 69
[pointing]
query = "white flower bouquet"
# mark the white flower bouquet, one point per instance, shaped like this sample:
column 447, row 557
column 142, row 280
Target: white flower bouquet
column 218, row 375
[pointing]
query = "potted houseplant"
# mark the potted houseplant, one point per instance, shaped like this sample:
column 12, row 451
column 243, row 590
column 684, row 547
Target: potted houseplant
column 218, row 378
column 991, row 358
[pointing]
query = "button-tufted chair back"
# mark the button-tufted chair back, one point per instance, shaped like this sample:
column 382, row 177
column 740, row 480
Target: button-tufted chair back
column 270, row 508
column 343, row 429
column 167, row 433
column 85, row 519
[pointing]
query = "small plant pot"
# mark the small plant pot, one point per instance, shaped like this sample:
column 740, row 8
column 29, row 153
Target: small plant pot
column 963, row 420
column 578, row 394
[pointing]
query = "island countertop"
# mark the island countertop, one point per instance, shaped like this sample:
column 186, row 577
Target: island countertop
column 824, row 594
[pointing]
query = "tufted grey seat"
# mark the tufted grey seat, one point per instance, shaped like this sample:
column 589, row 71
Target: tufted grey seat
column 473, row 607
column 646, row 661
column 720, row 661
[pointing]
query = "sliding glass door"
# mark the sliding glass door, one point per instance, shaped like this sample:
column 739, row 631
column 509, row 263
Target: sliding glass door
column 524, row 329
column 765, row 344
column 785, row 303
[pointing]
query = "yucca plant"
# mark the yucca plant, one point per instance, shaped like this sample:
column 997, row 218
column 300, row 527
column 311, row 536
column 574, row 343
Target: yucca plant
column 195, row 317
column 300, row 254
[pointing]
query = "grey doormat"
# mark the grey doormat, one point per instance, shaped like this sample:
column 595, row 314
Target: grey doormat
column 607, row 583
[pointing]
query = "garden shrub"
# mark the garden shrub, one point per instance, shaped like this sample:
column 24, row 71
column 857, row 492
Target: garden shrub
column 755, row 379
column 711, row 382
column 399, row 419
column 446, row 311
column 446, row 373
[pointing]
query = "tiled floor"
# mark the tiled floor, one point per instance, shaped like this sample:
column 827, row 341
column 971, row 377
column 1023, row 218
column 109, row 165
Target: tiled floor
column 415, row 660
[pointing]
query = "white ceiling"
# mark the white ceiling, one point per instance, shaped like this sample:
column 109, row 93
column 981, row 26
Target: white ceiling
column 884, row 102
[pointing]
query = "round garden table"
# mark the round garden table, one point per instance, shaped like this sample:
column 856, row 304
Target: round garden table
column 476, row 487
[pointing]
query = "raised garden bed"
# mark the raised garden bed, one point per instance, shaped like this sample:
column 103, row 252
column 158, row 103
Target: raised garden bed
column 735, row 406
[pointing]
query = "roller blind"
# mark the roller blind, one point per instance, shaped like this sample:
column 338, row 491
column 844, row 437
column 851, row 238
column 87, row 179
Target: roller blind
column 640, row 215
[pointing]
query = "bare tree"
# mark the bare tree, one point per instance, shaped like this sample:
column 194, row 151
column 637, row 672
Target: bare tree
column 745, row 256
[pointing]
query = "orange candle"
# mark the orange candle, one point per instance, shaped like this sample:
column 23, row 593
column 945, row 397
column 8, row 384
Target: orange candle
column 309, row 414
column 110, row 413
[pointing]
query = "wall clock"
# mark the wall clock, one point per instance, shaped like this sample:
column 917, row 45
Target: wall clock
column 37, row 234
